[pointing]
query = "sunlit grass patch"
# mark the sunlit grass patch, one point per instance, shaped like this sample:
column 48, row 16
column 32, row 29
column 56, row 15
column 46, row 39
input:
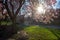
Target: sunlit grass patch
column 39, row 33
column 56, row 32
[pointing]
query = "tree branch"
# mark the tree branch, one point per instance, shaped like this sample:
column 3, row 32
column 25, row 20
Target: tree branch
column 8, row 10
column 21, row 2
column 12, row 7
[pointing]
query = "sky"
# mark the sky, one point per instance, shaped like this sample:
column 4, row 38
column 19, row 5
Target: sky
column 57, row 5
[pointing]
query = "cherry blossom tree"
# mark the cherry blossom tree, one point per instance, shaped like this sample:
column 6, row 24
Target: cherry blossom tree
column 49, row 13
column 13, row 7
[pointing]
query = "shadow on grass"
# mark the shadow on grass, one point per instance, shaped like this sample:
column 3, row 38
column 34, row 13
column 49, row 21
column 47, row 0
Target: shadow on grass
column 6, row 31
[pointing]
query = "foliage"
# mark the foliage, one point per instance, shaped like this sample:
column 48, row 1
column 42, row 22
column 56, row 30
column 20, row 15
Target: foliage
column 48, row 16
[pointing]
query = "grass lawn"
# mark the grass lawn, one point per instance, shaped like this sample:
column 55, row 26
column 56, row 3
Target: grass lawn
column 40, row 33
column 56, row 32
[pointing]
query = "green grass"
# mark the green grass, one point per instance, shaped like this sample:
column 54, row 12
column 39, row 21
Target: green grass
column 5, row 23
column 39, row 33
column 56, row 32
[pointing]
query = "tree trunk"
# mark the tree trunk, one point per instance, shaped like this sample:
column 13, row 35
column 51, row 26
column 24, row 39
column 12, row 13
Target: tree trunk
column 14, row 26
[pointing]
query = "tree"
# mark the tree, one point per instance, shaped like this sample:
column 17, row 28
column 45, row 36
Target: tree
column 13, row 7
column 50, row 13
column 9, row 7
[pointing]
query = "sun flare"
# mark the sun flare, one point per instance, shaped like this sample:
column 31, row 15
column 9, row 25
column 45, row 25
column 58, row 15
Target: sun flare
column 40, row 10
